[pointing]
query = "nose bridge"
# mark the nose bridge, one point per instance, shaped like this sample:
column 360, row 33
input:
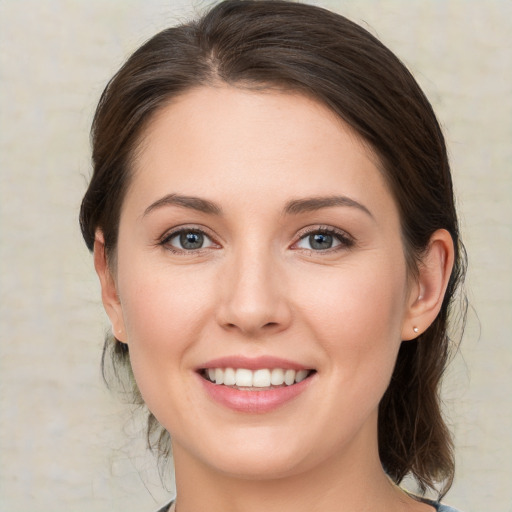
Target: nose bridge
column 254, row 297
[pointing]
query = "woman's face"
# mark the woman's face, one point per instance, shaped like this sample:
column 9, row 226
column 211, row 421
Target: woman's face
column 259, row 245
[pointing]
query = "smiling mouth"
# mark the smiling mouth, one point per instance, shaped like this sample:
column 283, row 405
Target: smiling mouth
column 255, row 380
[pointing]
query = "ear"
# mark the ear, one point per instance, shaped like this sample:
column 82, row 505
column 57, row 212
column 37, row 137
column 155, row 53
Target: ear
column 427, row 293
column 109, row 295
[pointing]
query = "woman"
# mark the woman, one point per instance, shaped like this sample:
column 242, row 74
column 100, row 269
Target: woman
column 273, row 225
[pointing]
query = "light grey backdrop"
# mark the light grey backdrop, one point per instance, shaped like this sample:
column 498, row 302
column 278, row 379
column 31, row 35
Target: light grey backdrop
column 66, row 444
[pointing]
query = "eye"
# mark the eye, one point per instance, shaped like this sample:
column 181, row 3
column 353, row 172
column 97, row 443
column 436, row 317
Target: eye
column 324, row 240
column 187, row 240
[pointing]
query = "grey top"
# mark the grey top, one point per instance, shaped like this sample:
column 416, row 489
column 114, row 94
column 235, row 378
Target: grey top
column 438, row 506
column 444, row 508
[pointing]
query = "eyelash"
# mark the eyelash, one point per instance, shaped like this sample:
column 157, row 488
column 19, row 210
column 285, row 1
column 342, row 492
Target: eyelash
column 166, row 239
column 345, row 240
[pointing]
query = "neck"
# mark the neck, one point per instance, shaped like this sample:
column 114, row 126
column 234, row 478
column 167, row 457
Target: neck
column 345, row 482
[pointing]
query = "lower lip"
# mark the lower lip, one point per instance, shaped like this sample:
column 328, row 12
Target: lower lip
column 254, row 401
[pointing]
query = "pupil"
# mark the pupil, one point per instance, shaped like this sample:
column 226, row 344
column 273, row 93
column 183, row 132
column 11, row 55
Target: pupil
column 191, row 240
column 320, row 241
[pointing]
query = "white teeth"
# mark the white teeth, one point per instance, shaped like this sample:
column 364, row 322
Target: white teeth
column 289, row 377
column 219, row 376
column 301, row 375
column 277, row 377
column 262, row 378
column 229, row 377
column 243, row 378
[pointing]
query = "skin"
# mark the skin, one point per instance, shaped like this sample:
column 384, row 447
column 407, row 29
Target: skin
column 258, row 288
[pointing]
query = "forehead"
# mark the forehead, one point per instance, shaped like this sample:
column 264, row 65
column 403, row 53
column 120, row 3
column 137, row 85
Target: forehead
column 251, row 143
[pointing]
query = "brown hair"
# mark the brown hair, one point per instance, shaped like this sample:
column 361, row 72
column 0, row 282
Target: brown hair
column 263, row 44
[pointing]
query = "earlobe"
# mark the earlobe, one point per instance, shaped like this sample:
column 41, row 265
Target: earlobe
column 434, row 272
column 109, row 295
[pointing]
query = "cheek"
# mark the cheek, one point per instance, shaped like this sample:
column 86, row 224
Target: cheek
column 357, row 314
column 157, row 298
column 162, row 319
column 369, row 297
column 164, row 314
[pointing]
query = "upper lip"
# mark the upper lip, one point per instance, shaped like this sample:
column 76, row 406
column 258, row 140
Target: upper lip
column 253, row 363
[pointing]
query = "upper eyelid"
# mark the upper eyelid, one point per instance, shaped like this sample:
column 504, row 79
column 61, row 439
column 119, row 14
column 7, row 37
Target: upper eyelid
column 346, row 239
column 302, row 233
column 172, row 232
column 319, row 228
column 165, row 239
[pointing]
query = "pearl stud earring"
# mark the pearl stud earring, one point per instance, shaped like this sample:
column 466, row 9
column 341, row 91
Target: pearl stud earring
column 415, row 329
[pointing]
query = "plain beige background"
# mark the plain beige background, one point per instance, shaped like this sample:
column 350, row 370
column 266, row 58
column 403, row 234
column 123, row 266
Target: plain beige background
column 66, row 443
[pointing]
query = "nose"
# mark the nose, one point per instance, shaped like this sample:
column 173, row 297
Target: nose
column 254, row 295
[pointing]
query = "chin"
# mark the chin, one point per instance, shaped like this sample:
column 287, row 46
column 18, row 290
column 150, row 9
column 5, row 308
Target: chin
column 248, row 454
column 258, row 467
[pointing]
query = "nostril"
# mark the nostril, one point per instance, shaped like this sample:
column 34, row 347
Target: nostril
column 268, row 325
column 252, row 317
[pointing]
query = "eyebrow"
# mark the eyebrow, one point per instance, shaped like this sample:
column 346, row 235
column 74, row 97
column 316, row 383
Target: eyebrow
column 297, row 206
column 194, row 203
column 293, row 207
